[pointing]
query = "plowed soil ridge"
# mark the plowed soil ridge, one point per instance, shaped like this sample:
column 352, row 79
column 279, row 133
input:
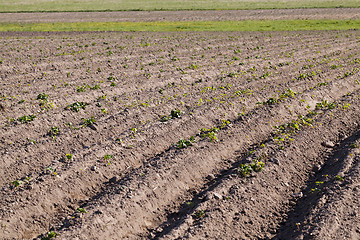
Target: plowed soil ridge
column 127, row 170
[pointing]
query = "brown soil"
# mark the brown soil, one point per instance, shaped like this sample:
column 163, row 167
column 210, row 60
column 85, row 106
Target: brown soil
column 138, row 16
column 127, row 170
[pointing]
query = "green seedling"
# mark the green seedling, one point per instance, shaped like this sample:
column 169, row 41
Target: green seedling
column 27, row 179
column 31, row 141
column 271, row 101
column 53, row 132
column 108, row 156
column 88, row 121
column 43, row 96
column 111, row 78
column 176, row 113
column 51, row 171
column 325, row 104
column 339, row 178
column 354, row 145
column 314, row 190
column 81, row 210
column 165, row 118
column 185, row 143
column 69, row 156
column 212, row 136
column 211, row 133
column 26, row 119
column 17, row 183
column 81, row 89
column 77, row 106
column 50, row 235
column 199, row 214
column 257, row 166
column 245, row 170
column 94, row 87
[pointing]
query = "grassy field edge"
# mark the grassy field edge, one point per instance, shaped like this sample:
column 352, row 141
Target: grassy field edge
column 164, row 26
column 164, row 5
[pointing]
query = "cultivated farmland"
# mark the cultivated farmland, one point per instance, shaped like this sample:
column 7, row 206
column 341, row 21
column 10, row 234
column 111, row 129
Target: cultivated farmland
column 231, row 135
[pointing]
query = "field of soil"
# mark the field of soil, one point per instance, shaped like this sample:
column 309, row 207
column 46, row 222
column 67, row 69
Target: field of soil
column 151, row 16
column 180, row 135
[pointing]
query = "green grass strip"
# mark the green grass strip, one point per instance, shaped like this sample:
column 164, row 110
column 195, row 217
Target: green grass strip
column 150, row 5
column 256, row 25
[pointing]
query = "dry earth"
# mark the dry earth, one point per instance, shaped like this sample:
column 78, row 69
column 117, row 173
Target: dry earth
column 150, row 16
column 289, row 100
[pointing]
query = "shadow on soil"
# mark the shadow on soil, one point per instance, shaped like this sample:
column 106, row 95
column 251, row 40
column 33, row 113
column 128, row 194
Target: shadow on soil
column 291, row 227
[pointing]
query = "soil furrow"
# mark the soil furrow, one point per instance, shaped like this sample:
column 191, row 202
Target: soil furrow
column 128, row 166
column 333, row 186
column 281, row 195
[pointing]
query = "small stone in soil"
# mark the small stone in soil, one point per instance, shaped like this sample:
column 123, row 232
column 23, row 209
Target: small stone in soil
column 328, row 144
column 210, row 177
